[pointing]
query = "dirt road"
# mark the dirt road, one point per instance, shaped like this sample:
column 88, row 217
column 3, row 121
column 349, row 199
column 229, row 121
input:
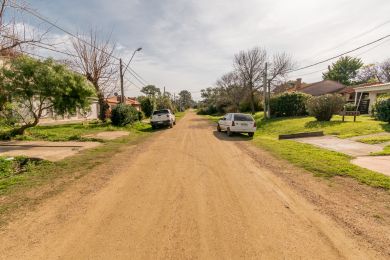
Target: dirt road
column 191, row 193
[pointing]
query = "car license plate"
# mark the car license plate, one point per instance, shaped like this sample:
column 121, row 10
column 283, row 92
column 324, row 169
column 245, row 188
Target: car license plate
column 159, row 122
column 244, row 124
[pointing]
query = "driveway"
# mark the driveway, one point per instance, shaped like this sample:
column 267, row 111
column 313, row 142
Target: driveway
column 51, row 151
column 346, row 146
column 353, row 148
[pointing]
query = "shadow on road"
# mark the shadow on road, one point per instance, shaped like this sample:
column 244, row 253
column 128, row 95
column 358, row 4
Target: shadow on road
column 237, row 137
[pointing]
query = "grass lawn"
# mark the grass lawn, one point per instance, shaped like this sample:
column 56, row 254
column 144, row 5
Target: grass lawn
column 375, row 140
column 320, row 162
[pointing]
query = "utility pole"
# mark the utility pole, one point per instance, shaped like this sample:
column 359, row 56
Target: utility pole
column 121, row 77
column 265, row 83
column 269, row 99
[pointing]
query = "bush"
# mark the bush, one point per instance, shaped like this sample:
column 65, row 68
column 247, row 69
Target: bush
column 350, row 107
column 382, row 110
column 147, row 106
column 141, row 115
column 289, row 104
column 122, row 115
column 324, row 107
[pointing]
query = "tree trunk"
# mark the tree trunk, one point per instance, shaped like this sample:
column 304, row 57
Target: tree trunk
column 103, row 107
column 20, row 130
column 252, row 100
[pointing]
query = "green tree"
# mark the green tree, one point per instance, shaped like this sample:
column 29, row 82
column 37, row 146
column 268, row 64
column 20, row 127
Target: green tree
column 151, row 91
column 344, row 70
column 35, row 86
column 185, row 99
column 147, row 105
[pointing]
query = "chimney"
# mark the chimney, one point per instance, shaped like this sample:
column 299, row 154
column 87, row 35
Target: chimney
column 298, row 84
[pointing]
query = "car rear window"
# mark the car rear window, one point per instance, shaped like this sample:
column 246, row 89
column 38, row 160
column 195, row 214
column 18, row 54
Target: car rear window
column 242, row 117
column 161, row 112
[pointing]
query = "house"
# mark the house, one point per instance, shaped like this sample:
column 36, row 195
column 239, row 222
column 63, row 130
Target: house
column 323, row 87
column 290, row 86
column 369, row 93
column 115, row 100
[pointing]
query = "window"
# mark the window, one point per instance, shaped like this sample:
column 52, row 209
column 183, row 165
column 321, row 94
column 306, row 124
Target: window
column 242, row 117
column 161, row 112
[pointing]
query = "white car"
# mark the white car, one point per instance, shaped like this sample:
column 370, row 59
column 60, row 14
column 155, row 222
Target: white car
column 162, row 117
column 237, row 123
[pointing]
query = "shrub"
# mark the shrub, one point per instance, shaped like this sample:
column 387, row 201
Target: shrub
column 141, row 115
column 324, row 107
column 122, row 115
column 147, row 106
column 289, row 104
column 382, row 110
column 350, row 107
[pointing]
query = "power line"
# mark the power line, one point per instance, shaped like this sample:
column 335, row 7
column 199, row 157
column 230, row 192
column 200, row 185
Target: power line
column 344, row 53
column 41, row 17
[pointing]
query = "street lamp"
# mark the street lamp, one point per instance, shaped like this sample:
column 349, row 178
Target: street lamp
column 124, row 71
column 132, row 56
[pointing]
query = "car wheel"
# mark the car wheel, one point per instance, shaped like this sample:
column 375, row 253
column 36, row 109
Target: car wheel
column 153, row 127
column 174, row 122
column 251, row 134
column 219, row 128
column 171, row 125
column 228, row 132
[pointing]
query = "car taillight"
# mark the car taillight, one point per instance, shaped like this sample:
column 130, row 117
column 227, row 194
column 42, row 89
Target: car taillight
column 254, row 124
column 233, row 124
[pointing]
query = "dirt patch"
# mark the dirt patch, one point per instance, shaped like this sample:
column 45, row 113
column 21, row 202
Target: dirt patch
column 51, row 151
column 108, row 135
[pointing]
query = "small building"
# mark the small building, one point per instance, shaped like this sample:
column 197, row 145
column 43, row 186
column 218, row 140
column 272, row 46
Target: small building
column 115, row 100
column 370, row 93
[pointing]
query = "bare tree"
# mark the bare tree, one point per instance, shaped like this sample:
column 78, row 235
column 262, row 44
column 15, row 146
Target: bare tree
column 249, row 66
column 231, row 89
column 385, row 71
column 94, row 59
column 15, row 34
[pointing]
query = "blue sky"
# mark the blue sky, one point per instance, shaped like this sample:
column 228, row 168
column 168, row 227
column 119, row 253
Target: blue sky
column 189, row 44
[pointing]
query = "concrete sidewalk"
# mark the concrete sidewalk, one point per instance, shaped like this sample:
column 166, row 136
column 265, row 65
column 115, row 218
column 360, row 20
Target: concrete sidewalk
column 346, row 146
column 353, row 148
column 52, row 151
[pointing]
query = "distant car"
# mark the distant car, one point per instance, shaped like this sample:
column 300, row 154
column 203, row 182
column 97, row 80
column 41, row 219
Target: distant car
column 163, row 117
column 237, row 123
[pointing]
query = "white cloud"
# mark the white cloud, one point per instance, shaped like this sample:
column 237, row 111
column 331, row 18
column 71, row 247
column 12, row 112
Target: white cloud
column 189, row 44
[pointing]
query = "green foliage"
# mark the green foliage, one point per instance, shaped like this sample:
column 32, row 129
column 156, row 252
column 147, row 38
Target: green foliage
column 35, row 85
column 16, row 165
column 141, row 115
column 350, row 107
column 151, row 91
column 289, row 104
column 344, row 70
column 123, row 115
column 382, row 110
column 147, row 105
column 324, row 107
column 185, row 99
column 164, row 102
